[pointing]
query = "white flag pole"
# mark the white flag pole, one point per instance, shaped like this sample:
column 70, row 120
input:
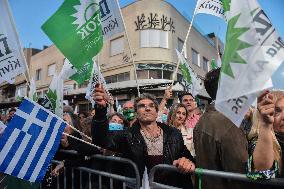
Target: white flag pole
column 130, row 49
column 18, row 41
column 95, row 146
column 184, row 44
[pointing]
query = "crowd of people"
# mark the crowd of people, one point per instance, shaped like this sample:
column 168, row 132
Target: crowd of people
column 149, row 133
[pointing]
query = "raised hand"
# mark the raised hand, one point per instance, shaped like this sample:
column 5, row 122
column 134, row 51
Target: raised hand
column 266, row 107
column 100, row 95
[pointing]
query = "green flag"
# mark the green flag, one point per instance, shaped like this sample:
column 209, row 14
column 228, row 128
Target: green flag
column 213, row 64
column 53, row 99
column 185, row 72
column 75, row 28
column 79, row 75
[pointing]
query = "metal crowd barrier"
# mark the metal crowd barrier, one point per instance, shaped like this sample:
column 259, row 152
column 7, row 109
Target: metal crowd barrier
column 211, row 173
column 127, row 182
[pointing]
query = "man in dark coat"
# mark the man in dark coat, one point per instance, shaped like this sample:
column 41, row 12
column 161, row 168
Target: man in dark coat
column 218, row 143
column 147, row 143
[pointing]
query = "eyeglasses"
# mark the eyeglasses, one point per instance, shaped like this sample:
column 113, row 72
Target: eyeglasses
column 144, row 106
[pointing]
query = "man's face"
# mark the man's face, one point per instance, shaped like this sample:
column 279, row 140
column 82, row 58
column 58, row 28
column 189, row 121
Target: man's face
column 128, row 105
column 189, row 102
column 146, row 111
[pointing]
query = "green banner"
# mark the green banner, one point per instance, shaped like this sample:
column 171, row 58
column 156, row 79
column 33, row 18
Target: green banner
column 75, row 28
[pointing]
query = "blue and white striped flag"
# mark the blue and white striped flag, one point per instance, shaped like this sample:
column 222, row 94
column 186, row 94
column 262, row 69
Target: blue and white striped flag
column 30, row 141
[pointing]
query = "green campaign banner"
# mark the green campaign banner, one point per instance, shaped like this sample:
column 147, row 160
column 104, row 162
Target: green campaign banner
column 75, row 28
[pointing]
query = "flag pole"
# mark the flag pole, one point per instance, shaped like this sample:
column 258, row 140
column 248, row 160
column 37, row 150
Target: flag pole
column 184, row 45
column 19, row 43
column 130, row 49
column 81, row 140
column 81, row 133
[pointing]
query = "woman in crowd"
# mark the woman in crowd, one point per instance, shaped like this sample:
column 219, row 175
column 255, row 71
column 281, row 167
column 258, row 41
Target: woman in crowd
column 267, row 137
column 177, row 118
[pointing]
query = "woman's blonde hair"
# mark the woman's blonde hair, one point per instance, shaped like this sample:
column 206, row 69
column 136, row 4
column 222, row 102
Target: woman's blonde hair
column 173, row 112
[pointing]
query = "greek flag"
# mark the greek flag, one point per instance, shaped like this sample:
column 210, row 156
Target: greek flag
column 30, row 141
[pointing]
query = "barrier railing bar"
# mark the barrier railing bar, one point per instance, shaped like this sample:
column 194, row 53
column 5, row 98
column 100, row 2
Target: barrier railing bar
column 109, row 175
column 72, row 181
column 159, row 185
column 132, row 181
column 57, row 179
column 213, row 173
column 90, row 180
column 111, row 183
column 100, row 181
column 64, row 178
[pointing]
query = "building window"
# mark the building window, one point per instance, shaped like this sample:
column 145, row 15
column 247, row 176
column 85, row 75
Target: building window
column 116, row 46
column 21, row 91
column 180, row 46
column 195, row 57
column 38, row 74
column 142, row 74
column 51, row 70
column 155, row 74
column 205, row 64
column 167, row 74
column 154, row 71
column 118, row 78
column 154, row 38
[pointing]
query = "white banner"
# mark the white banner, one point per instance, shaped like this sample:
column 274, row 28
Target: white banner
column 213, row 7
column 111, row 18
column 12, row 60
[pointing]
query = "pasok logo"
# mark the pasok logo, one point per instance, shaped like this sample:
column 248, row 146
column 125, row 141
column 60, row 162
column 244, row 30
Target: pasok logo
column 87, row 18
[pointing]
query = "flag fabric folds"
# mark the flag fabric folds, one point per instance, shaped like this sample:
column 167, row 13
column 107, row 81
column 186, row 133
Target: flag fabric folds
column 212, row 7
column 253, row 52
column 111, row 18
column 53, row 99
column 193, row 83
column 30, row 141
column 79, row 75
column 97, row 77
column 76, row 30
column 32, row 93
column 12, row 60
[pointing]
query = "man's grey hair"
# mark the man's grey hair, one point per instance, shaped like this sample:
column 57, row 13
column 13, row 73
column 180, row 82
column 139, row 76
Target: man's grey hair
column 146, row 96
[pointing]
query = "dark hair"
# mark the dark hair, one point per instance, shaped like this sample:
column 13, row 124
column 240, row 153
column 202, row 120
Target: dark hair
column 173, row 111
column 146, row 96
column 180, row 96
column 125, row 122
column 211, row 82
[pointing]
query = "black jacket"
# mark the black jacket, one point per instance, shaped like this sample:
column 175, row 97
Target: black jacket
column 131, row 144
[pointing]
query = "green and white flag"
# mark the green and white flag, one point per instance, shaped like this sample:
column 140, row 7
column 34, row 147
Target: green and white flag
column 214, row 64
column 53, row 99
column 253, row 52
column 12, row 59
column 212, row 7
column 32, row 93
column 75, row 28
column 79, row 75
column 193, row 83
column 97, row 77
